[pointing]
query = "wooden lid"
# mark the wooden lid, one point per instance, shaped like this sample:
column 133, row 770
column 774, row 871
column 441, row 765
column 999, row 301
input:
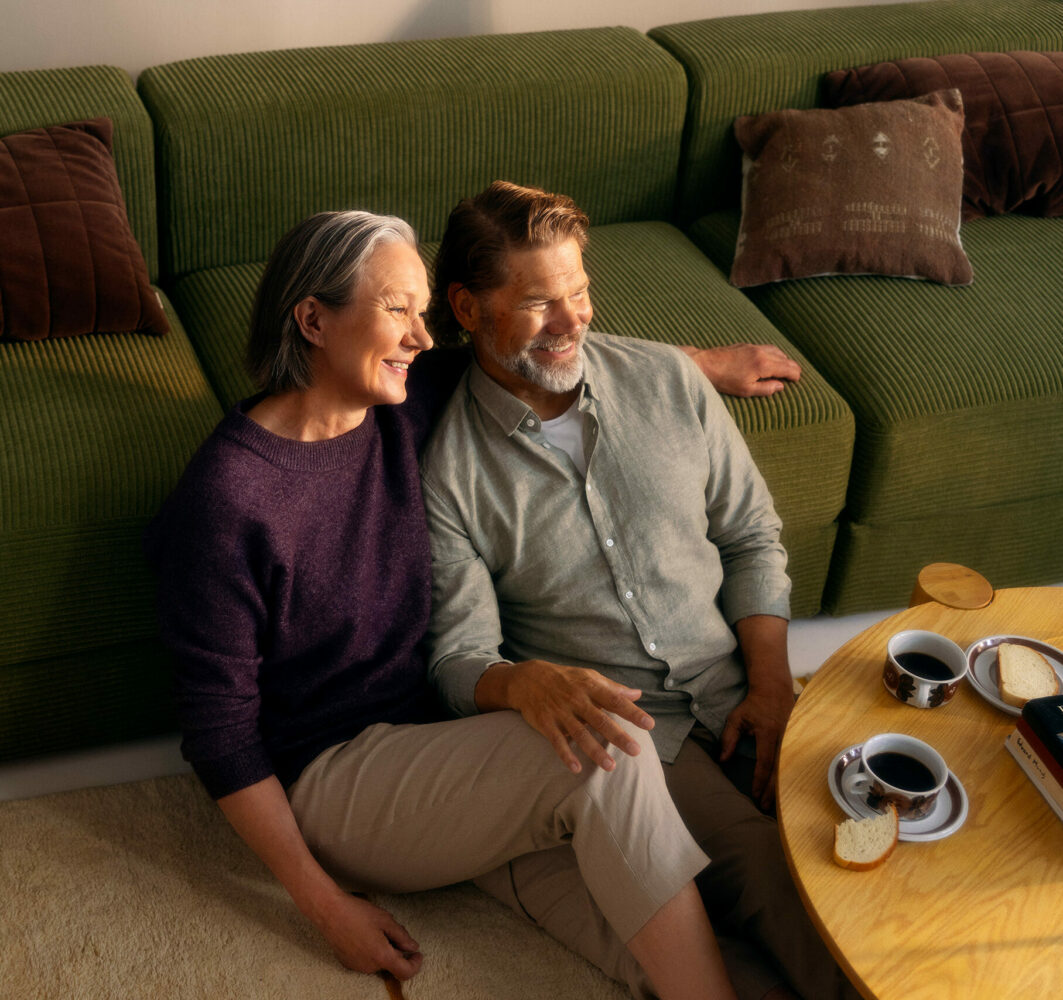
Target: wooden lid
column 952, row 585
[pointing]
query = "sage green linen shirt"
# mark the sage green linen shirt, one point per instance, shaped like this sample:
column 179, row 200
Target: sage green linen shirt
column 638, row 570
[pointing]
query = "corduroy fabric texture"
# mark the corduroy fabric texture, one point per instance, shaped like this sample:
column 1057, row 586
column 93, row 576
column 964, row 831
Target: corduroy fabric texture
column 37, row 98
column 958, row 398
column 69, row 264
column 86, row 698
column 754, row 63
column 408, row 128
column 96, row 431
column 216, row 308
column 1011, row 545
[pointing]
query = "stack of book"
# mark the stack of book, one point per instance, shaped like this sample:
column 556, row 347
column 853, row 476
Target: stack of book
column 1037, row 744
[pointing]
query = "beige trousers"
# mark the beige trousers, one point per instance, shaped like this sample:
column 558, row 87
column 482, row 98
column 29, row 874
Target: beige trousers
column 764, row 932
column 404, row 808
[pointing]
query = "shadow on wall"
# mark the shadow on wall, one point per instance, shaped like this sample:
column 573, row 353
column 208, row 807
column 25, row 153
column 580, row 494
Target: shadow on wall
column 445, row 19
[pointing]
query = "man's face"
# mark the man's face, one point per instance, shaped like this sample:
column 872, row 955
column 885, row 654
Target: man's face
column 528, row 334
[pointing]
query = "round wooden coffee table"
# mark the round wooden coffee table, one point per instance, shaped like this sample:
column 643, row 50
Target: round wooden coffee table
column 975, row 914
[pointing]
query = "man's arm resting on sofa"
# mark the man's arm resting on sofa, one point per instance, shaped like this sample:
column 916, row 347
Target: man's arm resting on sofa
column 745, row 369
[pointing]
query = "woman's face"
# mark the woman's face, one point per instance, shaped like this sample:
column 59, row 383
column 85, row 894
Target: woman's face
column 367, row 345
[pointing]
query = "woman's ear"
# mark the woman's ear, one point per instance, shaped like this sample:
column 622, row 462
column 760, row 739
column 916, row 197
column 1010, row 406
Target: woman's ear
column 307, row 314
column 465, row 305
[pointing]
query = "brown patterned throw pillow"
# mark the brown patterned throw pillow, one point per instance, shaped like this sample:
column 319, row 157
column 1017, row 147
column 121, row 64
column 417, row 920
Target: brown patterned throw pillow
column 69, row 263
column 1013, row 114
column 871, row 189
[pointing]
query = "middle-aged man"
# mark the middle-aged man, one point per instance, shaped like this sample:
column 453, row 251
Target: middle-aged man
column 604, row 545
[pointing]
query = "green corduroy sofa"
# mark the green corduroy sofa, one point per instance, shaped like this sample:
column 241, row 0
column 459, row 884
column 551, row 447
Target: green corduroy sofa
column 925, row 427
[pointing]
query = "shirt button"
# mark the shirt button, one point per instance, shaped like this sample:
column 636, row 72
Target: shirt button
column 695, row 707
column 653, row 646
column 609, row 542
column 546, row 444
column 669, row 683
column 530, row 423
column 628, row 594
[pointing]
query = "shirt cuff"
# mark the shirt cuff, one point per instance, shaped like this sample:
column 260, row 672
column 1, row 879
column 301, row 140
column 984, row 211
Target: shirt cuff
column 456, row 678
column 754, row 593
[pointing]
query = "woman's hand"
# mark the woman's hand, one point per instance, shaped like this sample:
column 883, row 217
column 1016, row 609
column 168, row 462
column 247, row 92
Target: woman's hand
column 362, row 936
column 366, row 938
column 570, row 706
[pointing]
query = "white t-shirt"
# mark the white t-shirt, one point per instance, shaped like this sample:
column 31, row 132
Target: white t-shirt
column 566, row 432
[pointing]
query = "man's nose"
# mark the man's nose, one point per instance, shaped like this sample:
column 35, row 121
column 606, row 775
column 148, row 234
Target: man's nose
column 573, row 316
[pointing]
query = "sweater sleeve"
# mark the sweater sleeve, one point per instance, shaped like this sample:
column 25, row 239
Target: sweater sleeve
column 212, row 616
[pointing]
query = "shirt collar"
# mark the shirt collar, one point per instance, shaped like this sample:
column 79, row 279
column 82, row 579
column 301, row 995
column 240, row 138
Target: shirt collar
column 513, row 414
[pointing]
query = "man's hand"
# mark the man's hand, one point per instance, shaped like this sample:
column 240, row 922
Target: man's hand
column 568, row 705
column 767, row 707
column 763, row 714
column 368, row 939
column 745, row 369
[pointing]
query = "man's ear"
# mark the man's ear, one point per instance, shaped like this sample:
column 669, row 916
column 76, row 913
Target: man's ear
column 307, row 314
column 465, row 305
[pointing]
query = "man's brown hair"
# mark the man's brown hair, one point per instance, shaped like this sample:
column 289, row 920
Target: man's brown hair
column 483, row 229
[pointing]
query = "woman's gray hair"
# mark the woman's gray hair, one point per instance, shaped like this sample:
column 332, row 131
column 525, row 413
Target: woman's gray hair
column 324, row 256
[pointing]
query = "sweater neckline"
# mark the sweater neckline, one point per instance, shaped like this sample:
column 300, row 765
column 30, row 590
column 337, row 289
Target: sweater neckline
column 301, row 456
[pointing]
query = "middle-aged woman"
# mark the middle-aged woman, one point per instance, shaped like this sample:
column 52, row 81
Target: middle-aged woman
column 294, row 593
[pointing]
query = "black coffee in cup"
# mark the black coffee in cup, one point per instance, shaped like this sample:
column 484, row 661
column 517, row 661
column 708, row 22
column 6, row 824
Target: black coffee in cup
column 902, row 771
column 924, row 665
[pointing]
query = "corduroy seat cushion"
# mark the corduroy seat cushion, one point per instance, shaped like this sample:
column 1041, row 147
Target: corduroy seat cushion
column 958, row 398
column 96, row 431
column 647, row 280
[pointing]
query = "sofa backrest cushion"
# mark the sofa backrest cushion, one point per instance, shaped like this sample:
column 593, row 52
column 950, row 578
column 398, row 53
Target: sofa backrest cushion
column 1013, row 111
column 754, row 63
column 36, row 98
column 249, row 144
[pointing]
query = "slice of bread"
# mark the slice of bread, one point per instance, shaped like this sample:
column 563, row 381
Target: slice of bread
column 861, row 844
column 1024, row 674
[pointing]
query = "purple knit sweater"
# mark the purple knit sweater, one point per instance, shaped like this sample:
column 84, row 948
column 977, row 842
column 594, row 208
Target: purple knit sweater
column 294, row 587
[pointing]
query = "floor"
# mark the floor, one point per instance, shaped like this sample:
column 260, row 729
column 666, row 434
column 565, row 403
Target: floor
column 812, row 640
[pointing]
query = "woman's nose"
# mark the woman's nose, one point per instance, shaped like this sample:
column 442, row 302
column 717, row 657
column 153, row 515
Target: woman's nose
column 418, row 338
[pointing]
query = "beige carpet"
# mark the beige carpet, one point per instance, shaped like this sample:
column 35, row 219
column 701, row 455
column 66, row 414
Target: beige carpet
column 142, row 891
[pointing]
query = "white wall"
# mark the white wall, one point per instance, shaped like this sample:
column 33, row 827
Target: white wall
column 137, row 33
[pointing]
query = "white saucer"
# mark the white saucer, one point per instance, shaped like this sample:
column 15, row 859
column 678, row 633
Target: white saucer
column 946, row 816
column 984, row 673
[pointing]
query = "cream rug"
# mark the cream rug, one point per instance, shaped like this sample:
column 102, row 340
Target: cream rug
column 143, row 891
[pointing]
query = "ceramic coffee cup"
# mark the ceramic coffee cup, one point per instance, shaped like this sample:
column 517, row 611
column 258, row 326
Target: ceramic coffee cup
column 923, row 669
column 899, row 769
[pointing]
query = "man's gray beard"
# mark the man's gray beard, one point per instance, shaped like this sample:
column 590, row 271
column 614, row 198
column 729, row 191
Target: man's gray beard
column 558, row 377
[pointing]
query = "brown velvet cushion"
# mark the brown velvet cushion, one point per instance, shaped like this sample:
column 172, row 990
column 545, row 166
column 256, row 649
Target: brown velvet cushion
column 873, row 189
column 68, row 261
column 1013, row 102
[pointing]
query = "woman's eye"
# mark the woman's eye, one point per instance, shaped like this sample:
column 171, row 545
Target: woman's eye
column 397, row 309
